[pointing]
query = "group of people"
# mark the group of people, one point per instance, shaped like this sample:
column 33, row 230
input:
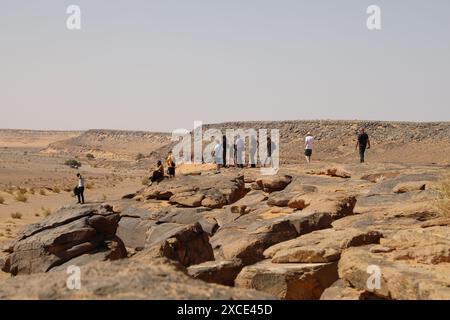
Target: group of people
column 362, row 143
column 159, row 174
column 237, row 152
column 220, row 157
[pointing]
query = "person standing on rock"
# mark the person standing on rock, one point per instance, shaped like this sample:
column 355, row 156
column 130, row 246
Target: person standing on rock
column 363, row 142
column 80, row 189
column 308, row 146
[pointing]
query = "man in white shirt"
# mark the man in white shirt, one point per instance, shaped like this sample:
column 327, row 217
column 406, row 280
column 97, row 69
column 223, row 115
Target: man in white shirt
column 218, row 154
column 80, row 189
column 239, row 152
column 308, row 146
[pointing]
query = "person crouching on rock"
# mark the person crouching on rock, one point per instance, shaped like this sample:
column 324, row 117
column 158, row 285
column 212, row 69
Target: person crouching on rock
column 158, row 174
column 80, row 189
column 170, row 165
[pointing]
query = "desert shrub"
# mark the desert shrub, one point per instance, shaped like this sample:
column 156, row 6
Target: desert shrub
column 2, row 200
column 73, row 163
column 42, row 192
column 90, row 156
column 32, row 191
column 21, row 190
column 89, row 185
column 68, row 189
column 16, row 215
column 144, row 181
column 443, row 198
column 139, row 156
column 20, row 197
column 56, row 189
column 104, row 197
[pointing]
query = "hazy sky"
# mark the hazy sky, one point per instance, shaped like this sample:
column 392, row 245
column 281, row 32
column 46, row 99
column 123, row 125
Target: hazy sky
column 160, row 65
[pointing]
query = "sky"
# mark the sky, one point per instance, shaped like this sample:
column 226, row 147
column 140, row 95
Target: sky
column 158, row 65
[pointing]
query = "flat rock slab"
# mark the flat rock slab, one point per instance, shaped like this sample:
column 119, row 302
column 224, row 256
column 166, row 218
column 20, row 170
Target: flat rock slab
column 212, row 191
column 219, row 271
column 413, row 265
column 320, row 246
column 68, row 233
column 291, row 281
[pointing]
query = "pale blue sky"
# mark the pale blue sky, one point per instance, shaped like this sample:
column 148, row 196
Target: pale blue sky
column 160, row 65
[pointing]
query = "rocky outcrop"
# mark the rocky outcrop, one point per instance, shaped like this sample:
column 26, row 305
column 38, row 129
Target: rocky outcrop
column 291, row 281
column 139, row 277
column 414, row 264
column 187, row 244
column 320, row 246
column 68, row 233
column 212, row 191
column 220, row 271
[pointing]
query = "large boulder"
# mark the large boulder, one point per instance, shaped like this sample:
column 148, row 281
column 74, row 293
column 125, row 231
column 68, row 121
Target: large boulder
column 68, row 233
column 212, row 191
column 291, row 281
column 219, row 271
column 272, row 183
column 320, row 246
column 187, row 244
column 413, row 264
column 137, row 278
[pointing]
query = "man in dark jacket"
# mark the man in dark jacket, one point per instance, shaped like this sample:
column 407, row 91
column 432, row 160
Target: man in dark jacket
column 363, row 142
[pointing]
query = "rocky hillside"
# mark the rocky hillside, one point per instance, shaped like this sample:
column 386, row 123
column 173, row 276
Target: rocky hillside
column 335, row 140
column 325, row 231
column 111, row 144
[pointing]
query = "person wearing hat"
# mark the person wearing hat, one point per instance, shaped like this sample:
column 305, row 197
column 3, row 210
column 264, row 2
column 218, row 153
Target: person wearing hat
column 308, row 146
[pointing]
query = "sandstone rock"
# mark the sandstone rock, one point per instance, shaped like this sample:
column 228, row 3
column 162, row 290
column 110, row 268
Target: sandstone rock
column 67, row 234
column 377, row 177
column 292, row 281
column 213, row 191
column 417, row 267
column 298, row 203
column 187, row 244
column 320, row 246
column 332, row 172
column 220, row 271
column 340, row 290
column 248, row 244
column 409, row 186
column 188, row 199
column 273, row 183
column 140, row 277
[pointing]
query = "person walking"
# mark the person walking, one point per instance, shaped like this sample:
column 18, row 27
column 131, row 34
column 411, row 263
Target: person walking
column 80, row 189
column 308, row 146
column 363, row 142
